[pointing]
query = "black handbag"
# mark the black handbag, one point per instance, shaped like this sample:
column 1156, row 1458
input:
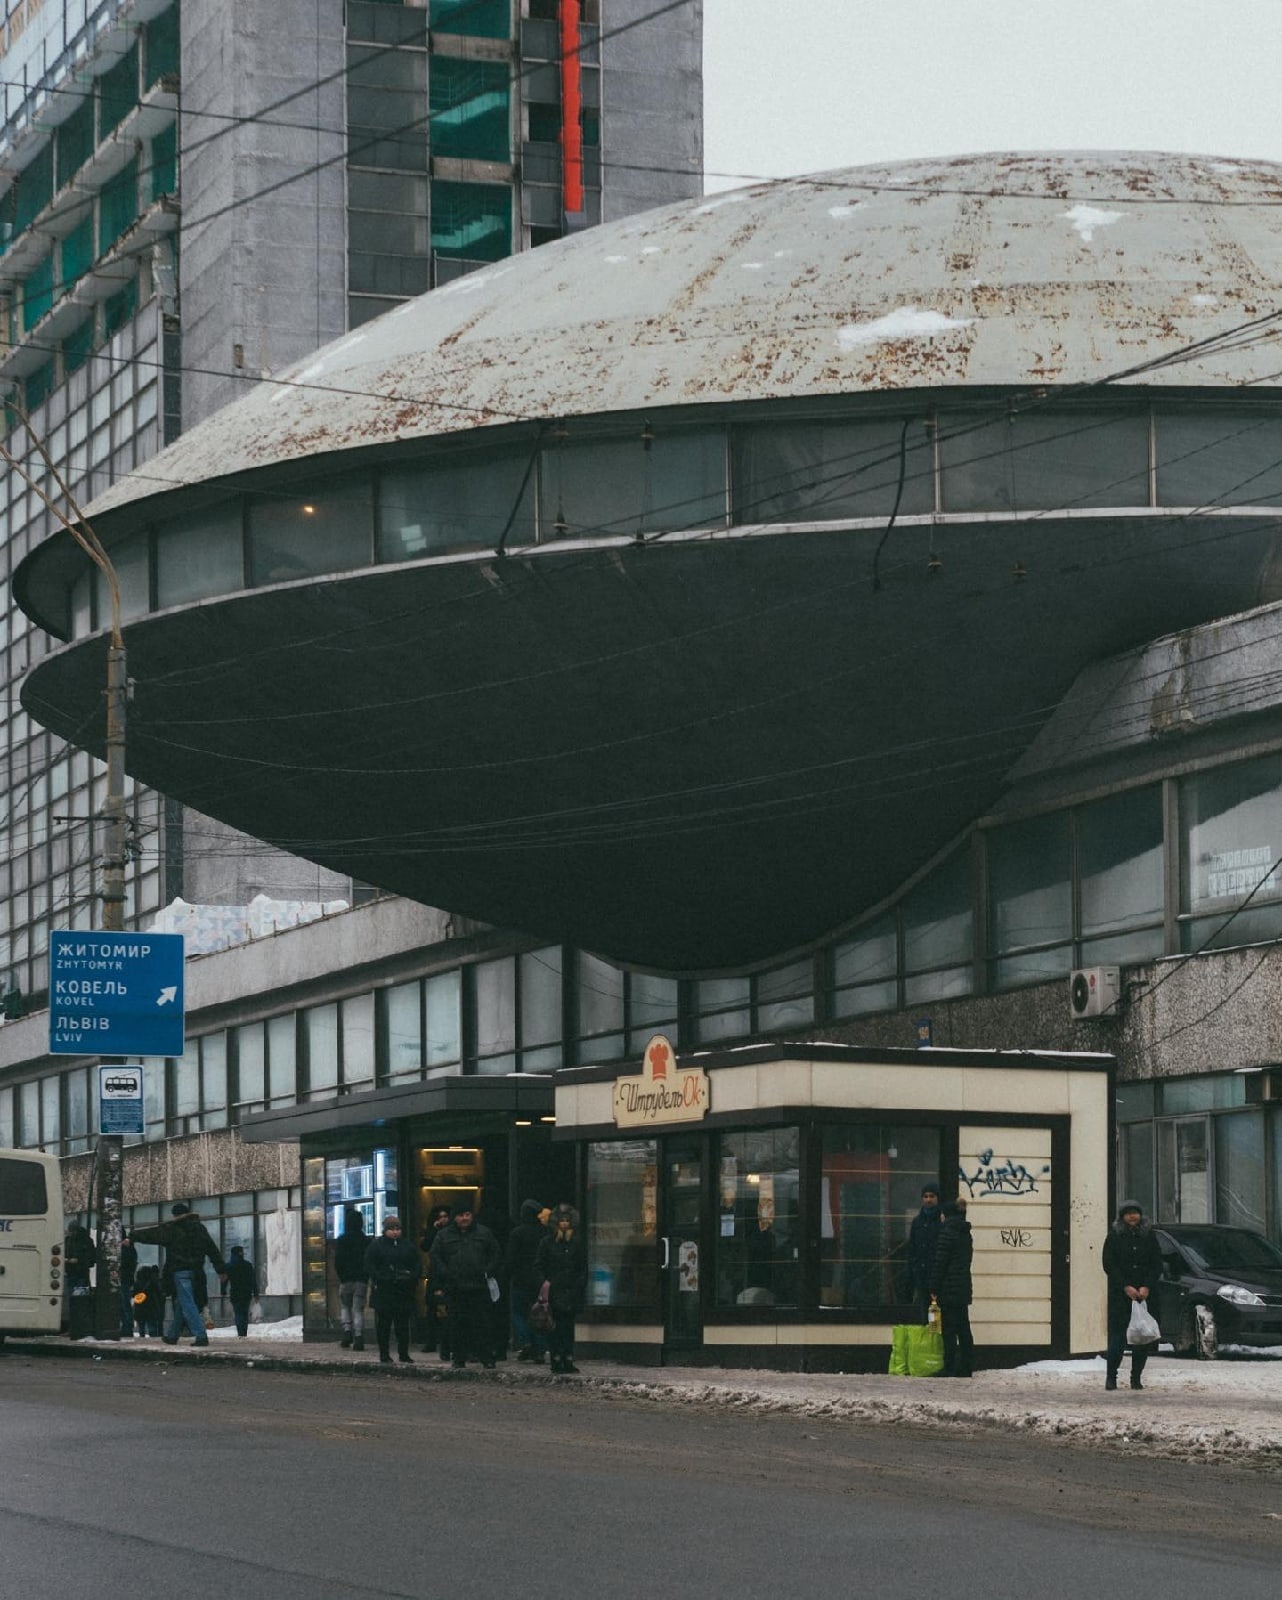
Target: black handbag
column 540, row 1313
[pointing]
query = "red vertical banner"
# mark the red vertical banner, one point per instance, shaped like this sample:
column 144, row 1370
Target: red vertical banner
column 571, row 109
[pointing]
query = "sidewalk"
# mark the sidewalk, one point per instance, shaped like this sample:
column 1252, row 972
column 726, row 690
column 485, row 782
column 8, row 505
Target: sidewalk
column 1224, row 1411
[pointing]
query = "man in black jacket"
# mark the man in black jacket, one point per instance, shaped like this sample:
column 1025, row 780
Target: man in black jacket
column 349, row 1268
column 1132, row 1259
column 393, row 1267
column 951, row 1285
column 187, row 1244
column 923, row 1241
column 465, row 1256
column 523, row 1281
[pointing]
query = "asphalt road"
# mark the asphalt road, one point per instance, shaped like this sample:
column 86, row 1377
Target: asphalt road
column 146, row 1481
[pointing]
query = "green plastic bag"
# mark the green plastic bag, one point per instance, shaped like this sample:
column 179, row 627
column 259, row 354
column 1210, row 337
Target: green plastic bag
column 925, row 1350
column 899, row 1350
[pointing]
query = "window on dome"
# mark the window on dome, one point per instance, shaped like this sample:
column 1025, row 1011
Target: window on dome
column 465, row 505
column 827, row 471
column 604, row 487
column 292, row 535
column 1232, row 459
column 1044, row 460
column 199, row 558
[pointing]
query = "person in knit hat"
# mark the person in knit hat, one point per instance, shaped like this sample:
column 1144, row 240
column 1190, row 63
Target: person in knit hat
column 562, row 1261
column 923, row 1241
column 1132, row 1258
column 465, row 1255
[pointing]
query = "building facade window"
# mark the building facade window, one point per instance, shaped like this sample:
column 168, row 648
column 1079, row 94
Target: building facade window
column 759, row 1237
column 622, row 1223
column 1232, row 843
column 871, row 1180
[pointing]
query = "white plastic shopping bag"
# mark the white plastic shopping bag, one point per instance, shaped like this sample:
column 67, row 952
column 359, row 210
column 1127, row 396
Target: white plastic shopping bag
column 1142, row 1328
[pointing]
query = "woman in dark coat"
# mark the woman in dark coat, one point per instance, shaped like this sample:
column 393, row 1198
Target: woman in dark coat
column 393, row 1267
column 562, row 1262
column 1132, row 1259
column 950, row 1284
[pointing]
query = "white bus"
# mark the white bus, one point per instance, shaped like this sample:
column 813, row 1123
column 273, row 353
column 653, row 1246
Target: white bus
column 31, row 1243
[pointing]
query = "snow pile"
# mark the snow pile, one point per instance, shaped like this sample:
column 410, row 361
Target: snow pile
column 289, row 1331
column 904, row 322
column 206, row 929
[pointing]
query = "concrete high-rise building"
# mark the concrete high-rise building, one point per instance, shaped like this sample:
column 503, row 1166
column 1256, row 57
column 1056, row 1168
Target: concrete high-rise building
column 194, row 195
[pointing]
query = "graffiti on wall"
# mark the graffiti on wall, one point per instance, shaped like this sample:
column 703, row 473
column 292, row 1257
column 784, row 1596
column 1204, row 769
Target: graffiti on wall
column 994, row 1177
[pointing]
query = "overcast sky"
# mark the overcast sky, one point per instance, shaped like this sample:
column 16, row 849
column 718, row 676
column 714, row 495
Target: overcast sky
column 804, row 85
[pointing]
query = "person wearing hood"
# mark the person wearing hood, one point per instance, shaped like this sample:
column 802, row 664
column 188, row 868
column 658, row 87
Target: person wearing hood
column 923, row 1242
column 187, row 1243
column 950, row 1284
column 562, row 1263
column 465, row 1256
column 349, row 1268
column 393, row 1267
column 523, row 1281
column 78, row 1252
column 1132, row 1258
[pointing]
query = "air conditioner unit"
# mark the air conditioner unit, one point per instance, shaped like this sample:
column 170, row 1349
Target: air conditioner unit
column 1095, row 991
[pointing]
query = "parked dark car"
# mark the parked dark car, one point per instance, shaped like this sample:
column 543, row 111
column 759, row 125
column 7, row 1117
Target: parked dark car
column 1220, row 1286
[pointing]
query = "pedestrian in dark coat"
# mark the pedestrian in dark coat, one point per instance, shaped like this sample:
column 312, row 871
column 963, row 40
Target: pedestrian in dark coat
column 78, row 1253
column 523, row 1281
column 128, row 1273
column 242, row 1286
column 187, row 1246
column 951, row 1285
column 923, row 1242
column 562, row 1261
column 465, row 1255
column 436, row 1317
column 349, row 1269
column 149, row 1303
column 393, row 1267
column 1132, row 1258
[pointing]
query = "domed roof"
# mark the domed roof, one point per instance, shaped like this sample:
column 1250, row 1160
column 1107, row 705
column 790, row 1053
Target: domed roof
column 1007, row 270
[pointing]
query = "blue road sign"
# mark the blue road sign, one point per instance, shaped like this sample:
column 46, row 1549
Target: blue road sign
column 120, row 1105
column 116, row 994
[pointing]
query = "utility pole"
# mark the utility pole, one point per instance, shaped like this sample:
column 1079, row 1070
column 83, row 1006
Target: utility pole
column 111, row 1150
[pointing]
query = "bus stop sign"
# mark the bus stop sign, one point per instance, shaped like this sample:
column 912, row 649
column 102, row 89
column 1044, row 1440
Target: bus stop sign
column 120, row 1099
column 116, row 994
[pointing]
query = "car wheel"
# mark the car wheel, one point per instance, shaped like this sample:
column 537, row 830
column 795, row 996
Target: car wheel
column 1208, row 1338
column 1185, row 1340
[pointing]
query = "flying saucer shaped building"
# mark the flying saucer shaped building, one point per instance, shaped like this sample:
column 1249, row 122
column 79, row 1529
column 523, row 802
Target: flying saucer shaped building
column 684, row 587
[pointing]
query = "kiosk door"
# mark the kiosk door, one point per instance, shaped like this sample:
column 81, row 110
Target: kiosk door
column 682, row 1218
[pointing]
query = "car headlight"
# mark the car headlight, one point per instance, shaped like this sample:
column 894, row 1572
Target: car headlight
column 1239, row 1296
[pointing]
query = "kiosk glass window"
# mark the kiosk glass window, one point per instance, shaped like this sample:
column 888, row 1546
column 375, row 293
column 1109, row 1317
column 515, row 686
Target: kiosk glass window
column 623, row 1235
column 758, row 1233
column 870, row 1191
column 366, row 1183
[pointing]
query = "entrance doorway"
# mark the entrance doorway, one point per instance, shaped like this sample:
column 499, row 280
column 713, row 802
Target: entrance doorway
column 680, row 1245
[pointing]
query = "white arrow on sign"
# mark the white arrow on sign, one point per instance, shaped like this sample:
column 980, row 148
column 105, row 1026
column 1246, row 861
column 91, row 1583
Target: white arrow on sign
column 166, row 995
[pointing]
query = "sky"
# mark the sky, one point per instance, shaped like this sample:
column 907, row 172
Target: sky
column 806, row 85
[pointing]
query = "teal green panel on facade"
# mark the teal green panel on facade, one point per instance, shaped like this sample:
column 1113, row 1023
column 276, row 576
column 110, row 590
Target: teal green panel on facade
column 37, row 294
column 77, row 253
column 480, row 19
column 470, row 106
column 164, row 162
column 117, row 93
column 161, row 46
column 117, row 207
column 472, row 221
column 74, row 141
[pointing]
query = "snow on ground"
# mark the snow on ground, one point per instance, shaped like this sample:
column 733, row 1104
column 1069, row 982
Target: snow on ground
column 290, row 1330
column 1227, row 1411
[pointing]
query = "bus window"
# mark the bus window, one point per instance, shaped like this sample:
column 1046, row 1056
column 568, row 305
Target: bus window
column 22, row 1188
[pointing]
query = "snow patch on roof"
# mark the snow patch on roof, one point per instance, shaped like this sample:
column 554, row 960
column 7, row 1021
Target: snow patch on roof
column 1086, row 219
column 904, row 322
column 844, row 211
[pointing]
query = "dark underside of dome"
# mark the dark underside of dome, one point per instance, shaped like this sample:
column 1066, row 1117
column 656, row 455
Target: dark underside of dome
column 685, row 756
